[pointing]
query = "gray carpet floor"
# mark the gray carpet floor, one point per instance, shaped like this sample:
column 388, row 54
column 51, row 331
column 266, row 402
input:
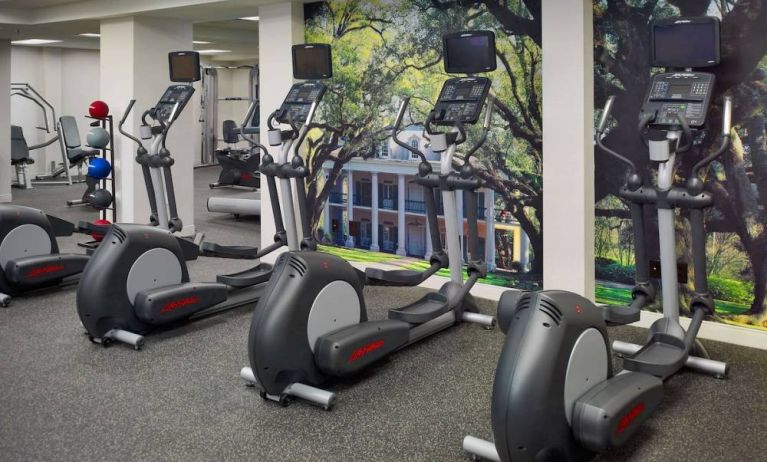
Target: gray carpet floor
column 180, row 398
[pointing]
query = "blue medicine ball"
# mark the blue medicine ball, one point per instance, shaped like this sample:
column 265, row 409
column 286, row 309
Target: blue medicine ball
column 97, row 138
column 99, row 168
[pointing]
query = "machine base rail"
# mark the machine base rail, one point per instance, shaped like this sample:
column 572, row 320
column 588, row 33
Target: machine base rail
column 323, row 398
column 712, row 367
column 480, row 448
column 135, row 340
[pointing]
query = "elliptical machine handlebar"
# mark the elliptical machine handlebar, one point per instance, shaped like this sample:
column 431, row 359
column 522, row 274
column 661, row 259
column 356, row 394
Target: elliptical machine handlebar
column 122, row 123
column 485, row 127
column 601, row 128
column 457, row 125
column 396, row 130
column 726, row 127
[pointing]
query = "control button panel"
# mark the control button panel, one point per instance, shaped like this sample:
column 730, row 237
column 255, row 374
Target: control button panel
column 673, row 96
column 299, row 101
column 172, row 102
column 461, row 100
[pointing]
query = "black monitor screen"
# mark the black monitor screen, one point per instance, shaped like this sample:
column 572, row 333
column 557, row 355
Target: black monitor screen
column 312, row 62
column 685, row 42
column 469, row 52
column 184, row 66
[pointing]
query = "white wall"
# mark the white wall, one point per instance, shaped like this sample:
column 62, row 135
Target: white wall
column 67, row 78
column 5, row 123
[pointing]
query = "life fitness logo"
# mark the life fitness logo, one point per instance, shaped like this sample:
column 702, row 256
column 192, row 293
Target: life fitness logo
column 365, row 350
column 629, row 418
column 173, row 305
column 43, row 270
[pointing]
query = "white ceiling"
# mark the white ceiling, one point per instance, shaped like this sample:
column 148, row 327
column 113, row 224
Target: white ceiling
column 24, row 4
column 214, row 21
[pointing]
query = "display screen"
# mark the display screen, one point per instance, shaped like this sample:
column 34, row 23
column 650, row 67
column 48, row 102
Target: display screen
column 685, row 43
column 469, row 52
column 184, row 66
column 312, row 62
column 680, row 90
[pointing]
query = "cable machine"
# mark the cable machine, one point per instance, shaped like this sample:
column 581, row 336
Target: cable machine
column 209, row 100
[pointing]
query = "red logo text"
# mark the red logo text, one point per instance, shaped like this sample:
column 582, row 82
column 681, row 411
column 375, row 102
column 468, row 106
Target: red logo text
column 43, row 270
column 180, row 303
column 630, row 417
column 365, row 350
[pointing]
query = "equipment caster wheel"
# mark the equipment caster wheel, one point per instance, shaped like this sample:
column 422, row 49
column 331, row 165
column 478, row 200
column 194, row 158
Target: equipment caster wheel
column 285, row 400
column 5, row 301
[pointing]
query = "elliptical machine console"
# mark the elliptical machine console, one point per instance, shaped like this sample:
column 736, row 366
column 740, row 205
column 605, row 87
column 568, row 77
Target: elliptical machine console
column 555, row 394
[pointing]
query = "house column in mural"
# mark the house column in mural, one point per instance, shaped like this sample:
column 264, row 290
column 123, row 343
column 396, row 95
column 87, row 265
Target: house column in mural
column 490, row 229
column 374, row 212
column 401, row 215
column 349, row 208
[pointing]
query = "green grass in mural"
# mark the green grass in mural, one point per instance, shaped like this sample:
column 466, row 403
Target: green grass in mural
column 366, row 256
column 619, row 296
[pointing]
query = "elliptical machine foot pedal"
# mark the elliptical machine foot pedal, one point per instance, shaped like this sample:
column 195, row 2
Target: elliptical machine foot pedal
column 429, row 307
column 244, row 252
column 380, row 277
column 250, row 277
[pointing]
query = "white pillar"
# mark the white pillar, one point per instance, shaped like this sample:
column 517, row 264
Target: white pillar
column 349, row 207
column 568, row 157
column 490, row 229
column 401, row 247
column 459, row 211
column 327, row 224
column 280, row 26
column 134, row 65
column 374, row 212
column 5, row 122
column 524, row 250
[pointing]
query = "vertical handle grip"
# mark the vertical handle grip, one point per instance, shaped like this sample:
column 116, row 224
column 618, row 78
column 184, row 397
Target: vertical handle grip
column 727, row 116
column 605, row 114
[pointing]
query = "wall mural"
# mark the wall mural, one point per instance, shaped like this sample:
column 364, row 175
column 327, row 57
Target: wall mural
column 389, row 49
column 737, row 235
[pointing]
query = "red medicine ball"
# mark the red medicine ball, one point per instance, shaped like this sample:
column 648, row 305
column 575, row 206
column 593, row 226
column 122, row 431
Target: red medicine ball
column 98, row 109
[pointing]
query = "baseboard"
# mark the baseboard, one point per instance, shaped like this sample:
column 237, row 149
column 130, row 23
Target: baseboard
column 720, row 332
column 5, row 198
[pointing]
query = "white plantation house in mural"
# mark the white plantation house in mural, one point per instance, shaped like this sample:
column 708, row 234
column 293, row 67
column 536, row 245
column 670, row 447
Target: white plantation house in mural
column 377, row 205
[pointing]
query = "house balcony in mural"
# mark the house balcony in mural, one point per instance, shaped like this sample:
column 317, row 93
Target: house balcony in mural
column 387, row 212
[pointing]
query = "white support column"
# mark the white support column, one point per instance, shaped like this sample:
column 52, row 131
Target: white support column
column 280, row 26
column 524, row 250
column 401, row 227
column 568, row 157
column 134, row 65
column 327, row 224
column 490, row 229
column 349, row 207
column 459, row 212
column 5, row 122
column 374, row 212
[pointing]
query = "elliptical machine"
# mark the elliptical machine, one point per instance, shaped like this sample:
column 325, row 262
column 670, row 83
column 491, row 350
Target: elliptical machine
column 555, row 395
column 138, row 281
column 312, row 325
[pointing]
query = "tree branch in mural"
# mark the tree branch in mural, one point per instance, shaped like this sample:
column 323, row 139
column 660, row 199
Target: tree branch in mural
column 386, row 50
column 739, row 182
